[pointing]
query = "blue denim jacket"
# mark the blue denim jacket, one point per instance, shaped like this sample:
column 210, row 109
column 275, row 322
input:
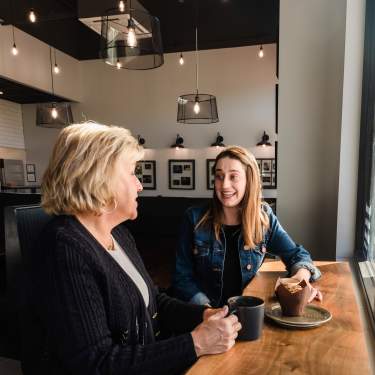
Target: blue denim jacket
column 200, row 257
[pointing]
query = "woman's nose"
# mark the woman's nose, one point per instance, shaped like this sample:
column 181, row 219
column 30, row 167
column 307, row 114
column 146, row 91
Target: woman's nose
column 139, row 186
column 226, row 182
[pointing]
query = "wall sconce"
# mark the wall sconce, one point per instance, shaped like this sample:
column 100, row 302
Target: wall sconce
column 265, row 140
column 141, row 141
column 219, row 141
column 179, row 143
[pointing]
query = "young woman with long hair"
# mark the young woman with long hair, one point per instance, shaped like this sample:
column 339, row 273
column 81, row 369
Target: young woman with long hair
column 222, row 246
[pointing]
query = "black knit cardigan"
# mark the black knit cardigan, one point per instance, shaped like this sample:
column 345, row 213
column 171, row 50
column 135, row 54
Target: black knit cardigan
column 93, row 319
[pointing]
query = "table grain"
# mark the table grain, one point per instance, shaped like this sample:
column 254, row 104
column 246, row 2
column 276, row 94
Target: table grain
column 336, row 348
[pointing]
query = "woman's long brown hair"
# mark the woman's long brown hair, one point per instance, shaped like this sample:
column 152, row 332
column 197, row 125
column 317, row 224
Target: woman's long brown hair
column 254, row 219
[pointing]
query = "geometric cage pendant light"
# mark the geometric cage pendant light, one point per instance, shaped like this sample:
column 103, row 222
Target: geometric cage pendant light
column 197, row 108
column 53, row 114
column 131, row 39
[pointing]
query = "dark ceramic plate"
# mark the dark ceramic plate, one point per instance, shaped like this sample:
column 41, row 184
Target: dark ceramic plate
column 313, row 316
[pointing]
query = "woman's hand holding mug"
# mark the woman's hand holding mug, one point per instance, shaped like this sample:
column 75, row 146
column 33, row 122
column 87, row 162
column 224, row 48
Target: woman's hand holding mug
column 216, row 334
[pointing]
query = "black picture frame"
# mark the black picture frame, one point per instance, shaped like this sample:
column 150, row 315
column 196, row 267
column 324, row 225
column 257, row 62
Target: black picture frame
column 268, row 172
column 272, row 202
column 30, row 168
column 181, row 174
column 210, row 175
column 145, row 171
column 30, row 177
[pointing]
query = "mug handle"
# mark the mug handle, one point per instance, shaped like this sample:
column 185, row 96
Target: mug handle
column 232, row 309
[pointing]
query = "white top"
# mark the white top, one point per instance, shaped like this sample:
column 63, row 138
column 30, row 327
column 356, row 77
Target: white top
column 127, row 265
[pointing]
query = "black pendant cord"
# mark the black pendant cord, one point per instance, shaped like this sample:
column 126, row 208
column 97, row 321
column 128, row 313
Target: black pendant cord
column 54, row 53
column 130, row 9
column 196, row 60
column 12, row 16
column 50, row 61
column 14, row 40
column 196, row 47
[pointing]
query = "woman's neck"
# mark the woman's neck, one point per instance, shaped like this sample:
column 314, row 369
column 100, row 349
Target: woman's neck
column 231, row 216
column 99, row 226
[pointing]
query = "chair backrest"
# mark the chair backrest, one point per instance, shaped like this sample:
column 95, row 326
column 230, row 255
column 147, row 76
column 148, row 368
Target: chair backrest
column 23, row 225
column 30, row 222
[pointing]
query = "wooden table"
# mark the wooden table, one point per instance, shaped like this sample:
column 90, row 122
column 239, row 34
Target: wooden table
column 336, row 348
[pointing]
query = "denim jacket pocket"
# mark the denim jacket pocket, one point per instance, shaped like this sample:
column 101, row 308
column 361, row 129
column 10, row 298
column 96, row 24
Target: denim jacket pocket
column 201, row 252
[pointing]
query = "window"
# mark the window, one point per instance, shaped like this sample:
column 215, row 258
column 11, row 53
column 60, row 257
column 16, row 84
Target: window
column 365, row 228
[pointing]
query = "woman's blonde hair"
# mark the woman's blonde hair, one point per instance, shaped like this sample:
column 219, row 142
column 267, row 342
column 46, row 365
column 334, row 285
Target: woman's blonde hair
column 80, row 172
column 254, row 219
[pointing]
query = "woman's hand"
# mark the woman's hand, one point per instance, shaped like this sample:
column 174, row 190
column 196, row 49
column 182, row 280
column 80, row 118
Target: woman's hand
column 304, row 274
column 209, row 312
column 217, row 333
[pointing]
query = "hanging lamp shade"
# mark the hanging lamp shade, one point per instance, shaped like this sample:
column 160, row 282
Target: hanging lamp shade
column 53, row 114
column 207, row 114
column 45, row 119
column 131, row 40
column 197, row 108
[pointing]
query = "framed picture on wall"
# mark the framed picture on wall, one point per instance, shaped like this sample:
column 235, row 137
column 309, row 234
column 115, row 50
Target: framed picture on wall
column 210, row 173
column 145, row 170
column 30, row 177
column 181, row 174
column 268, row 173
column 272, row 203
column 30, row 168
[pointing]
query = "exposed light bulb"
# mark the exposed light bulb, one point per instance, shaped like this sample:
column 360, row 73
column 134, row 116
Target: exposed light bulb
column 121, row 6
column 1, row 92
column 54, row 113
column 32, row 16
column 14, row 50
column 131, row 39
column 197, row 108
column 56, row 69
column 118, row 64
column 181, row 61
column 177, row 148
column 261, row 53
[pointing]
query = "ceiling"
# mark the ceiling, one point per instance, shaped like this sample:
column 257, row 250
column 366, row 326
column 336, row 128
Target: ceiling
column 221, row 23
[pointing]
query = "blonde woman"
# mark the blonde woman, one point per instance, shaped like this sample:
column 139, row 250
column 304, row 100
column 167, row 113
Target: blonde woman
column 221, row 247
column 98, row 310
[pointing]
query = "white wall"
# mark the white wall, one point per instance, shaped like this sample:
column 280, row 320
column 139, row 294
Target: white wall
column 350, row 130
column 146, row 103
column 32, row 65
column 319, row 121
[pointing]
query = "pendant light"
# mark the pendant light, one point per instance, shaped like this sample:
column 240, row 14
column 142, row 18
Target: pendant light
column 32, row 16
column 53, row 114
column 14, row 48
column 56, row 68
column 197, row 108
column 181, row 59
column 130, row 38
column 261, row 52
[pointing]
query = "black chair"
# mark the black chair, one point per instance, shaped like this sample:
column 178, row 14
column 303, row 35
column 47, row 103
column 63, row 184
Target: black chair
column 23, row 225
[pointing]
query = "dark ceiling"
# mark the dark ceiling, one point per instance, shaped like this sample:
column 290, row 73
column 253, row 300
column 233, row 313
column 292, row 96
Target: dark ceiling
column 19, row 93
column 222, row 23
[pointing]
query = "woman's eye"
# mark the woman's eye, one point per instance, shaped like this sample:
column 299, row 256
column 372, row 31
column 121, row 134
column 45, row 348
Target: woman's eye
column 219, row 177
column 234, row 177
